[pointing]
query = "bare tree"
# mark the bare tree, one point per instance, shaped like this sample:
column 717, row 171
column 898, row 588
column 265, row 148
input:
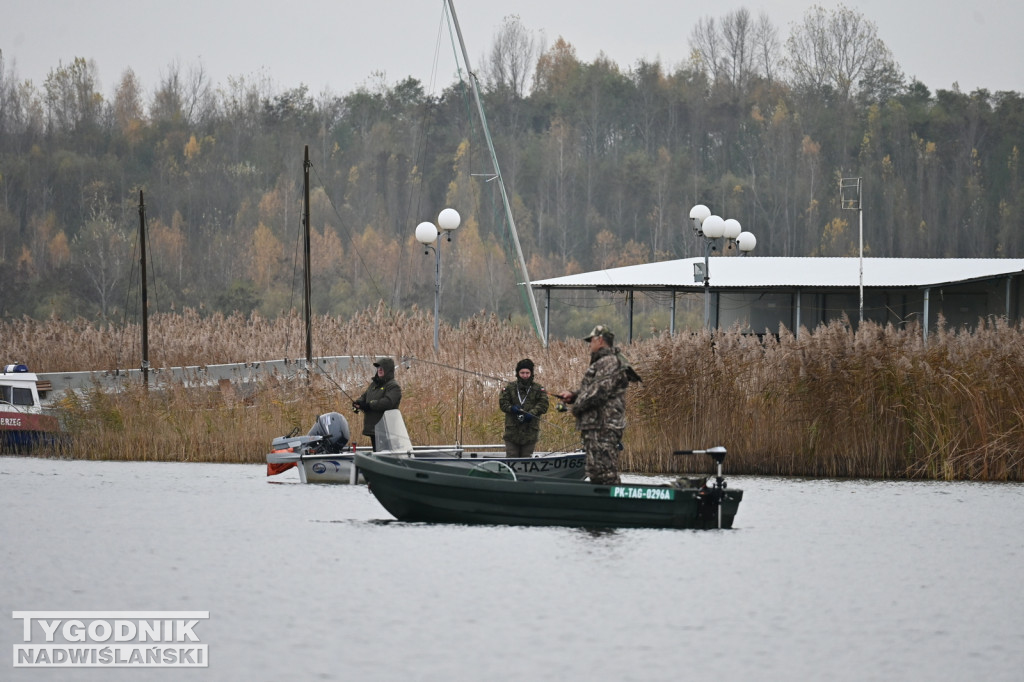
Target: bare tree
column 169, row 98
column 184, row 97
column 72, row 99
column 199, row 102
column 241, row 102
column 838, row 50
column 735, row 50
column 101, row 252
column 507, row 70
column 706, row 46
column 766, row 47
column 513, row 56
column 8, row 93
column 737, row 33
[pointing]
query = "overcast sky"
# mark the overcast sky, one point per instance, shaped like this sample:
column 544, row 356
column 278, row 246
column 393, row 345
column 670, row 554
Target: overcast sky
column 339, row 44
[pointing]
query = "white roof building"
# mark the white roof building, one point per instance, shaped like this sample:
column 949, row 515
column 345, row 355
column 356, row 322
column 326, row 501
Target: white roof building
column 760, row 293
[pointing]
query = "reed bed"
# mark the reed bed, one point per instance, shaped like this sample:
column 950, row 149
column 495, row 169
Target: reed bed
column 875, row 403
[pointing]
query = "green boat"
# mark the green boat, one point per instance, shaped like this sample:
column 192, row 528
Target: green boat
column 414, row 490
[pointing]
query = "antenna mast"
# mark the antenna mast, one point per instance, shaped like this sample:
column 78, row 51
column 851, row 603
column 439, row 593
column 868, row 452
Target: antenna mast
column 501, row 183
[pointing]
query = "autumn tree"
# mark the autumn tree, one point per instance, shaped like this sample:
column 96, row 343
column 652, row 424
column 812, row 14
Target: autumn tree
column 128, row 108
column 266, row 256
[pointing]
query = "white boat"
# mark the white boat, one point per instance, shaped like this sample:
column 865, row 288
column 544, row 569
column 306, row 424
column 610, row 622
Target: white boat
column 315, row 466
column 24, row 422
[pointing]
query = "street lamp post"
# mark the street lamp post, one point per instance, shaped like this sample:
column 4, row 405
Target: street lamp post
column 712, row 228
column 427, row 234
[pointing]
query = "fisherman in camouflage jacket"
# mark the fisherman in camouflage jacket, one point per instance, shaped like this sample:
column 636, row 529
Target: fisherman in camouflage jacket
column 600, row 405
column 523, row 401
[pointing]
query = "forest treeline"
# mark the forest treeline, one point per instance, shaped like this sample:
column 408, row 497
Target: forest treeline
column 602, row 163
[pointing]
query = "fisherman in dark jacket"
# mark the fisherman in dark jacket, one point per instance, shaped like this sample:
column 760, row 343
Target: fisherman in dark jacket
column 523, row 401
column 382, row 394
column 600, row 405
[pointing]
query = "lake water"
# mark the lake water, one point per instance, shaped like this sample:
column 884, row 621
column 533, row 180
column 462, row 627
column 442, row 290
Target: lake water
column 820, row 579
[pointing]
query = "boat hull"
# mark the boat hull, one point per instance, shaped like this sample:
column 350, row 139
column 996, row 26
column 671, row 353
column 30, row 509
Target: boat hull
column 337, row 468
column 434, row 492
column 392, row 438
column 327, row 469
column 24, row 422
column 20, row 430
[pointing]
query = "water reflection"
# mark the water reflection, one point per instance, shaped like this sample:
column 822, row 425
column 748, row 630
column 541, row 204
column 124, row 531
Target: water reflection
column 596, row 533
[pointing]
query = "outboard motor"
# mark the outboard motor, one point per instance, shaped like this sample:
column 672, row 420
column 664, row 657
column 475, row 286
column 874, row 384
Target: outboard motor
column 333, row 430
column 709, row 511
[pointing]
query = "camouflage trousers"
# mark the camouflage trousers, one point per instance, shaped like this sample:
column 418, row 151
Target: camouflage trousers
column 519, row 449
column 602, row 448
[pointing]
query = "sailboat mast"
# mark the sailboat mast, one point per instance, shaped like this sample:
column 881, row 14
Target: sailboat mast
column 306, row 282
column 501, row 183
column 145, row 293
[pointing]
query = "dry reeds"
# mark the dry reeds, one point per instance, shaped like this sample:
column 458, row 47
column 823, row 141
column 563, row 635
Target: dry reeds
column 875, row 403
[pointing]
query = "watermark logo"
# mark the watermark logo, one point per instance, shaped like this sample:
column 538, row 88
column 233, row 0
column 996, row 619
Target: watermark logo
column 110, row 639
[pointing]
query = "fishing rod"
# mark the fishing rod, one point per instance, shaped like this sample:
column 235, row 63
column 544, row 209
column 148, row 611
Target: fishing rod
column 357, row 407
column 563, row 429
column 295, row 431
column 336, row 384
column 560, row 407
column 405, row 360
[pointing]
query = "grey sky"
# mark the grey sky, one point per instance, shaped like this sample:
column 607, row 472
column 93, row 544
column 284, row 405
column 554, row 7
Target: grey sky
column 339, row 44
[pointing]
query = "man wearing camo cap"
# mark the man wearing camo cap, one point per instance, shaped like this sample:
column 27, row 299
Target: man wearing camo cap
column 600, row 405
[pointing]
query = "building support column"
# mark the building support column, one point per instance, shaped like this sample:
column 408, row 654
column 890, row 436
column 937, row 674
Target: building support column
column 672, row 315
column 797, row 330
column 924, row 325
column 629, row 298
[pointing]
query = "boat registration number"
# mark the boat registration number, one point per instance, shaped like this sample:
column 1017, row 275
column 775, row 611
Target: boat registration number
column 643, row 493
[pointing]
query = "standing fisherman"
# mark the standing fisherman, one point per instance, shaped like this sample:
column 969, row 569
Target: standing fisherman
column 382, row 394
column 522, row 401
column 600, row 405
